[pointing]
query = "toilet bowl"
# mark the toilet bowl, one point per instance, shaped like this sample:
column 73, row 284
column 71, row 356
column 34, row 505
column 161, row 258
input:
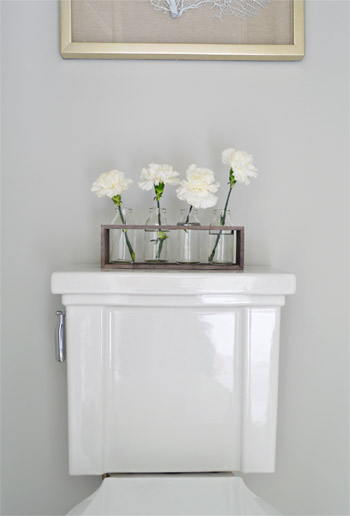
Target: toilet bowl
column 173, row 495
column 172, row 375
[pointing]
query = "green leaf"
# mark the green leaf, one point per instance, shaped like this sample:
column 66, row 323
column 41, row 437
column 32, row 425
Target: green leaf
column 159, row 189
column 117, row 199
column 232, row 179
column 162, row 235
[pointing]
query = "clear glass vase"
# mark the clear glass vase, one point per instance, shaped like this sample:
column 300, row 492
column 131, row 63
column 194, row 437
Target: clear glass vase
column 156, row 243
column 221, row 243
column 122, row 242
column 187, row 240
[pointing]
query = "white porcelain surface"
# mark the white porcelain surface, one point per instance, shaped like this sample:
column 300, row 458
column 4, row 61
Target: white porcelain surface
column 180, row 495
column 91, row 279
column 166, row 375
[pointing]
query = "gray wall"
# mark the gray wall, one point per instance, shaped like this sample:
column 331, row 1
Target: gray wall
column 64, row 122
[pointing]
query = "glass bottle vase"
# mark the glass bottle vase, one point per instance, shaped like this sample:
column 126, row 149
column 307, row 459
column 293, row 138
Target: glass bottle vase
column 188, row 241
column 156, row 242
column 122, row 241
column 222, row 244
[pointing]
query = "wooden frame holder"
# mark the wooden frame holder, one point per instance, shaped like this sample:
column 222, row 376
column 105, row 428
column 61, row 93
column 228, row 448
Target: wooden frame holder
column 108, row 265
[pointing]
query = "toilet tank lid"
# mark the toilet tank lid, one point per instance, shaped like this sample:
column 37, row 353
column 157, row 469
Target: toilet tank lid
column 90, row 279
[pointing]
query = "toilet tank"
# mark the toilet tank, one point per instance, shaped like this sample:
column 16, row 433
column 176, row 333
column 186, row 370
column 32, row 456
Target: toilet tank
column 172, row 371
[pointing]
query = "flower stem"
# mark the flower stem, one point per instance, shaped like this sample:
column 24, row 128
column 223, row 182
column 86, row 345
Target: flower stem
column 161, row 235
column 188, row 218
column 188, row 215
column 125, row 231
column 158, row 208
column 211, row 257
column 222, row 223
column 226, row 206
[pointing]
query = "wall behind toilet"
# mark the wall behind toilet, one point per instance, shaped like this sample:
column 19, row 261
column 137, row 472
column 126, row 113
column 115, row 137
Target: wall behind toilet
column 65, row 122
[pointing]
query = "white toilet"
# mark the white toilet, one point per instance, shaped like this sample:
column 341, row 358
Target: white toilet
column 172, row 386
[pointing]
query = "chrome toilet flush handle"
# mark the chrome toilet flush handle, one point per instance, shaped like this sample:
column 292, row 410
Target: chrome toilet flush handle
column 60, row 337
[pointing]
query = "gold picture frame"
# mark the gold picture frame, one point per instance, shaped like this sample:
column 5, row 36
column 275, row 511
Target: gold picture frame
column 188, row 51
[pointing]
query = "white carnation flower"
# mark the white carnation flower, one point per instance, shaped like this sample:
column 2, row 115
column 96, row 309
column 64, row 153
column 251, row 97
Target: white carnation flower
column 112, row 183
column 199, row 188
column 241, row 163
column 156, row 174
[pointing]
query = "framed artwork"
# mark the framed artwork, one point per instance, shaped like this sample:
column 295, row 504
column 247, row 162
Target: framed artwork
column 183, row 29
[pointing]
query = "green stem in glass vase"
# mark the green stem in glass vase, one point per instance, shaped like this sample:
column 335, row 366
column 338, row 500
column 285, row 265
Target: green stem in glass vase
column 188, row 218
column 161, row 236
column 232, row 183
column 188, row 214
column 118, row 201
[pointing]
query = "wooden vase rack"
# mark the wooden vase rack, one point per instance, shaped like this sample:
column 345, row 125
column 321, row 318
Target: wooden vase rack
column 106, row 264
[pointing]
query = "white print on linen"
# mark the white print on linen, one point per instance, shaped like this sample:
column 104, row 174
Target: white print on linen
column 238, row 8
